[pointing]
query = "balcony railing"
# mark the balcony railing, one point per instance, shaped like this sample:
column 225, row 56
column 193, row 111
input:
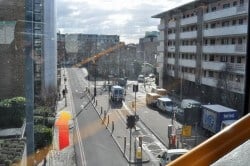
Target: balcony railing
column 235, row 86
column 187, row 62
column 171, row 24
column 226, row 12
column 189, row 20
column 210, row 81
column 171, row 61
column 187, row 76
column 226, row 49
column 171, row 36
column 217, row 66
column 161, row 27
column 237, row 67
column 190, row 48
column 171, row 73
column 161, row 37
column 232, row 30
column 160, row 48
column 186, row 35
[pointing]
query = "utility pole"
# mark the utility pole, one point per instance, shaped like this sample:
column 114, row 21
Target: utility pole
column 29, row 80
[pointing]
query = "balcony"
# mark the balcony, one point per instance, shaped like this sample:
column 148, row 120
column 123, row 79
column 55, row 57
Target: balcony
column 216, row 66
column 187, row 62
column 223, row 31
column 161, row 37
column 160, row 48
column 171, row 73
column 236, row 87
column 238, row 10
column 160, row 59
column 187, row 35
column 172, row 24
column 171, row 36
column 187, row 76
column 210, row 81
column 190, row 48
column 171, row 48
column 189, row 20
column 161, row 27
column 237, row 67
column 225, row 49
column 171, row 61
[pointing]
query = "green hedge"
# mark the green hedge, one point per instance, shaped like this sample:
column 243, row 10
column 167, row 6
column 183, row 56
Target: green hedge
column 43, row 136
column 47, row 121
column 12, row 112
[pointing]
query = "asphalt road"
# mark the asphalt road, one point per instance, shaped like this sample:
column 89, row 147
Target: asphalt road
column 98, row 146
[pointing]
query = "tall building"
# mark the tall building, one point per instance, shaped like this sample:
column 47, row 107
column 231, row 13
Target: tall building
column 203, row 44
column 42, row 30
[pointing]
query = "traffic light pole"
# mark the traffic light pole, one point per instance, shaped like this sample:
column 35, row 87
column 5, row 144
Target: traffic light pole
column 130, row 137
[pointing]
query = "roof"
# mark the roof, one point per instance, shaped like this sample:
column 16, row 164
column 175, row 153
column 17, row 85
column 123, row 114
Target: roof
column 219, row 108
column 117, row 87
column 177, row 151
column 187, row 6
column 164, row 99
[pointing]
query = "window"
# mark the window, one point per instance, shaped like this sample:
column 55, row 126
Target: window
column 212, row 41
column 234, row 22
column 225, row 23
column 240, row 41
column 234, row 3
column 233, row 40
column 237, row 78
column 227, row 5
column 213, row 25
column 238, row 59
column 213, row 9
column 241, row 21
column 210, row 74
column 223, row 58
column 211, row 58
column 232, row 59
column 241, row 2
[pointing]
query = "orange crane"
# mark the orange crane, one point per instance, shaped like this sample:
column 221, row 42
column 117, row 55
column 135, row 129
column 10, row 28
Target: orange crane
column 93, row 58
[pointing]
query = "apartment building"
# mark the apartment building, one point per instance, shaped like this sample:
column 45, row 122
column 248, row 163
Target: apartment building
column 203, row 44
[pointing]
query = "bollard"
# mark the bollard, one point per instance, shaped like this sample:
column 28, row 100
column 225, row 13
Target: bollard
column 124, row 148
column 113, row 127
column 96, row 103
column 101, row 110
column 108, row 120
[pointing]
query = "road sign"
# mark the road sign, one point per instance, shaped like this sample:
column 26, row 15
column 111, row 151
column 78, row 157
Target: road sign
column 186, row 131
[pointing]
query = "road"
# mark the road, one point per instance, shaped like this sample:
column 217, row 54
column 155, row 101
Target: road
column 98, row 147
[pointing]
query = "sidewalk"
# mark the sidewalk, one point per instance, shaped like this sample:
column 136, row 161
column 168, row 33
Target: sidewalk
column 66, row 156
column 118, row 130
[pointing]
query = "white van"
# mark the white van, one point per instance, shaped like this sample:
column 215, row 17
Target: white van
column 171, row 155
column 165, row 104
column 189, row 103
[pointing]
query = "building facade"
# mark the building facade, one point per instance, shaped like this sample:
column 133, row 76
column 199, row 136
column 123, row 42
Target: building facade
column 203, row 45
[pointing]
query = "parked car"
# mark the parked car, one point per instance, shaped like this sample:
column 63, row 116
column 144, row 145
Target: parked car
column 165, row 104
column 170, row 155
column 151, row 75
column 141, row 78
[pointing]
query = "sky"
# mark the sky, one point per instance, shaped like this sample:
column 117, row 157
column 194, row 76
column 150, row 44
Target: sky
column 129, row 19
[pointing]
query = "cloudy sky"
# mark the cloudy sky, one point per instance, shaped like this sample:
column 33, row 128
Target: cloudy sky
column 127, row 18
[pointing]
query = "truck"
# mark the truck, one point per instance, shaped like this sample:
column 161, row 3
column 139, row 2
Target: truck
column 151, row 99
column 214, row 115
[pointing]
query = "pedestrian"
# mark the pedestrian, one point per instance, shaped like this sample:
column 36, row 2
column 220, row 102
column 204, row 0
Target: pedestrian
column 44, row 161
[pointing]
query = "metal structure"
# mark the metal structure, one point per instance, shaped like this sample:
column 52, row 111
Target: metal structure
column 95, row 57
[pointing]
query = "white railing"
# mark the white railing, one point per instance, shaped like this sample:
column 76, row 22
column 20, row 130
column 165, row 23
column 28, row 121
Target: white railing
column 187, row 76
column 222, row 31
column 210, row 81
column 237, row 67
column 235, row 86
column 171, row 24
column 217, row 66
column 161, row 37
column 186, row 35
column 226, row 49
column 171, row 72
column 171, row 61
column 226, row 12
column 160, row 48
column 187, row 62
column 161, row 27
column 189, row 20
column 171, row 36
column 190, row 48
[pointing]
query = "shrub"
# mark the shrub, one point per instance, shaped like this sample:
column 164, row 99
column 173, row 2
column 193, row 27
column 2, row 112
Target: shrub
column 43, row 136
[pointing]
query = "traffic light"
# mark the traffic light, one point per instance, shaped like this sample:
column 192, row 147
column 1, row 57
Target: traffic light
column 135, row 88
column 130, row 121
